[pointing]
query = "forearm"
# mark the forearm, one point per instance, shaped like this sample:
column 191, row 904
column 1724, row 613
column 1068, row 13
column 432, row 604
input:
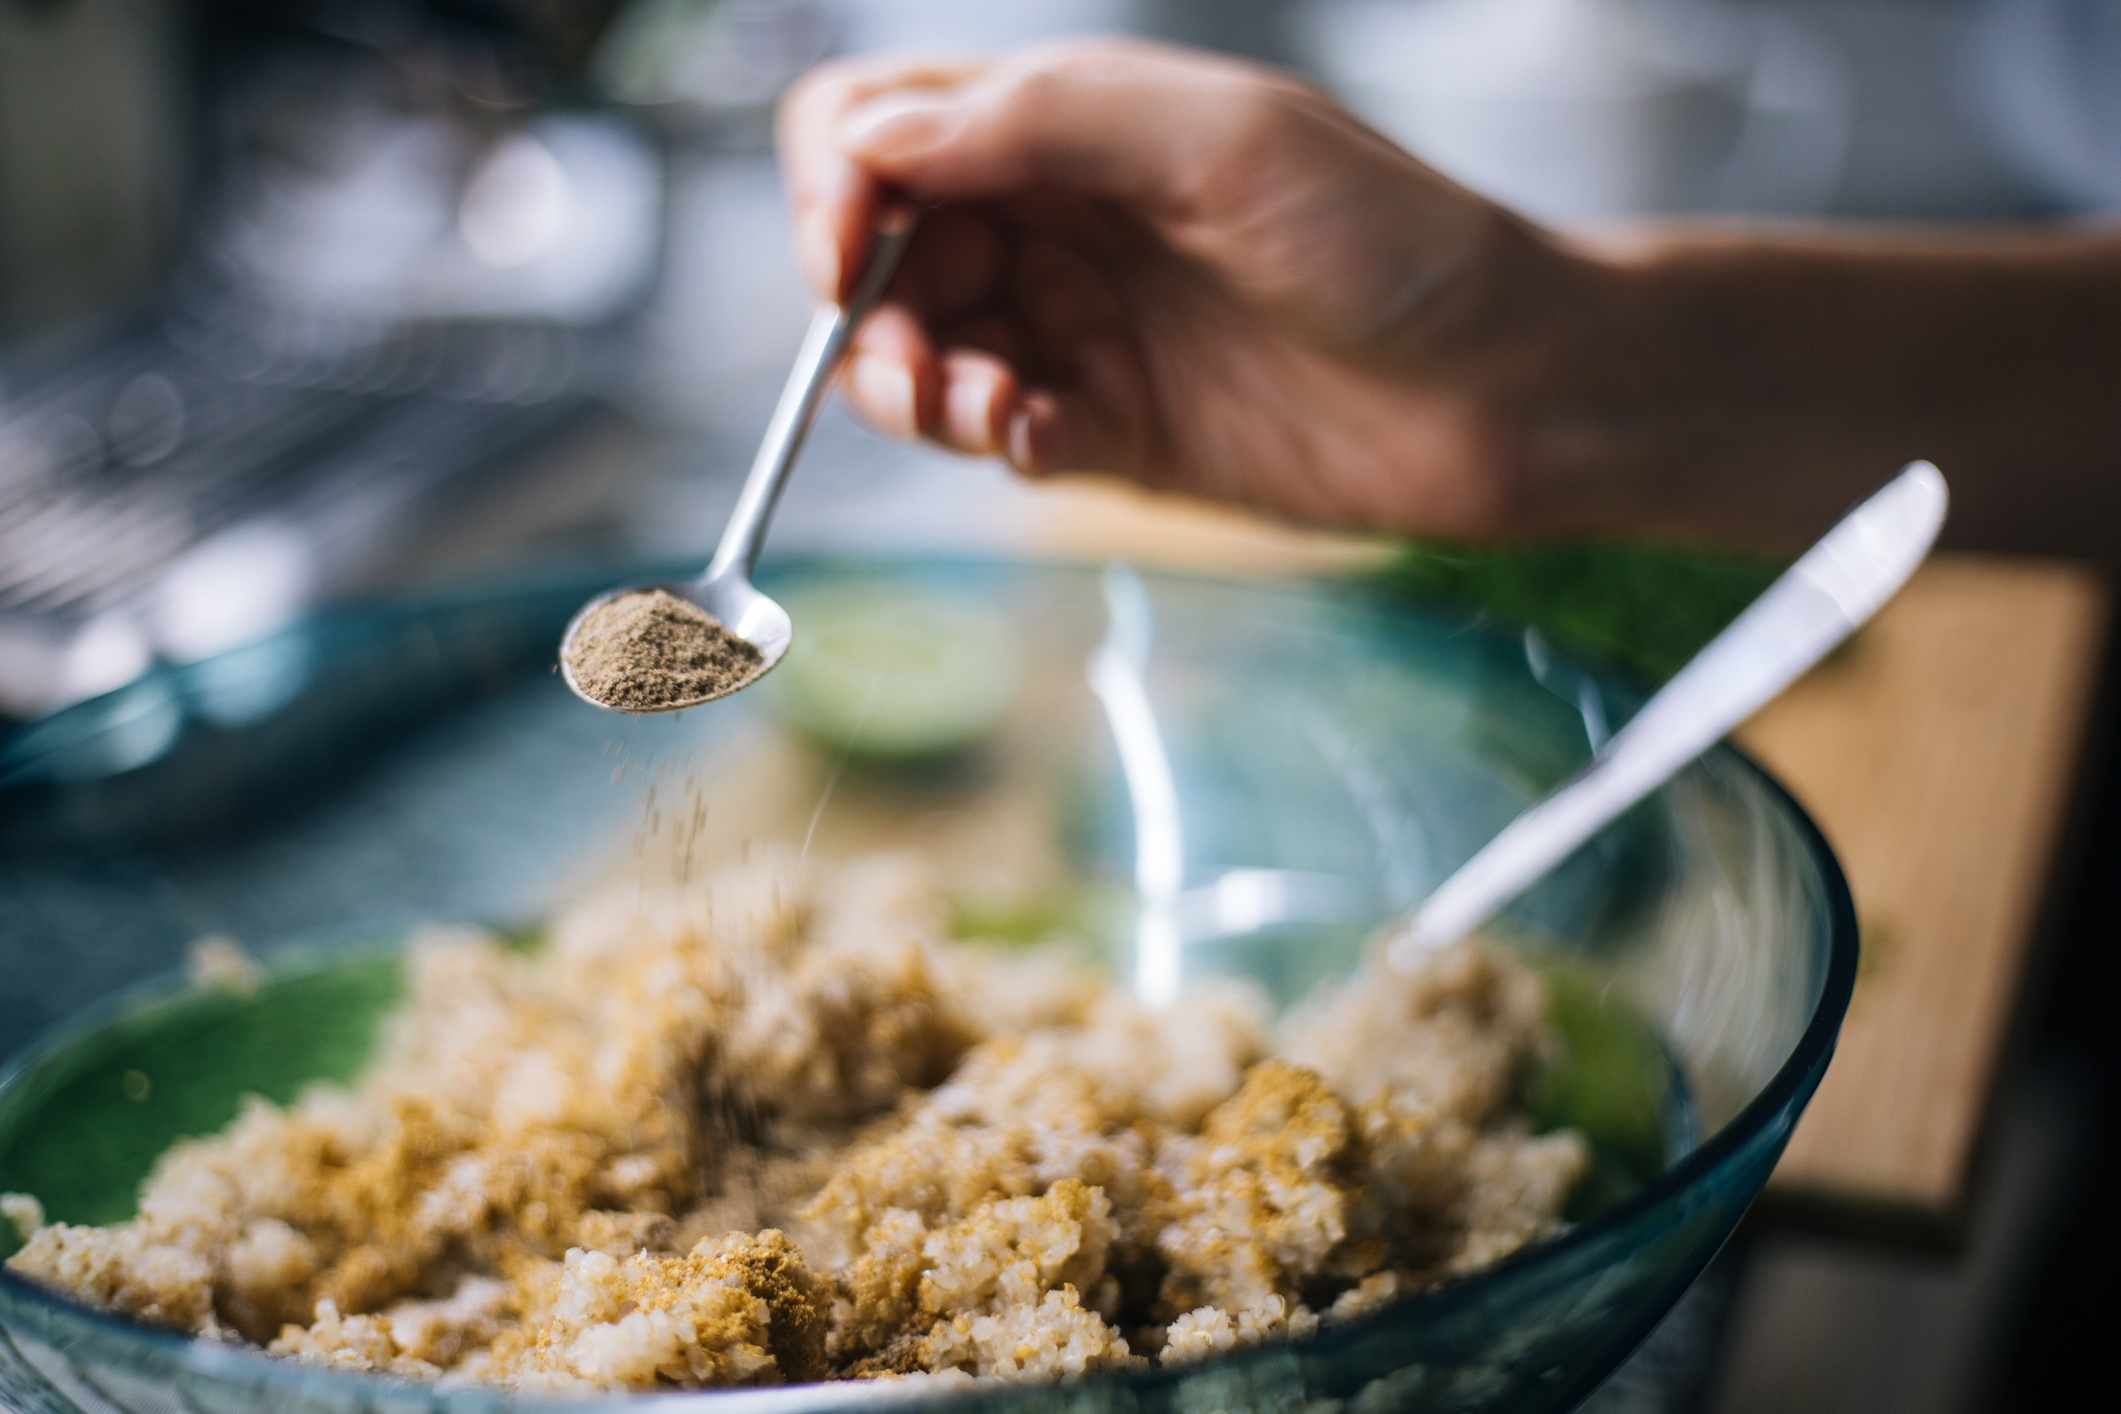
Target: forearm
column 1750, row 388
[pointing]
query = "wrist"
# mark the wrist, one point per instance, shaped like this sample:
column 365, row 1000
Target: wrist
column 1586, row 414
column 1530, row 336
column 1666, row 393
column 1706, row 386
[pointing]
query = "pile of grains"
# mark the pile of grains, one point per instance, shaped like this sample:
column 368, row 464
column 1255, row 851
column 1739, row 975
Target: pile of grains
column 650, row 651
column 776, row 1126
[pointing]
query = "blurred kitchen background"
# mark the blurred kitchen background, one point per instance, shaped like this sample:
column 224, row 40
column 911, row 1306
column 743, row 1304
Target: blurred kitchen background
column 314, row 301
column 305, row 300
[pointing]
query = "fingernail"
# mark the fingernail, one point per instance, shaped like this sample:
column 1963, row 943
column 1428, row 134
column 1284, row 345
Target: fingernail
column 969, row 414
column 1032, row 439
column 896, row 124
column 885, row 390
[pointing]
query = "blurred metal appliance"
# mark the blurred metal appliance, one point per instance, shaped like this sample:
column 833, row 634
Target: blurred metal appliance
column 404, row 269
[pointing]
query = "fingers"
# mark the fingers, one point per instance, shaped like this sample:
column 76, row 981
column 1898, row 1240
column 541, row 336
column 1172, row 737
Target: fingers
column 1044, row 322
column 1101, row 420
column 970, row 399
column 1003, row 333
column 954, row 268
column 961, row 398
column 833, row 196
column 1133, row 123
column 1172, row 135
column 891, row 376
column 1052, row 432
column 979, row 398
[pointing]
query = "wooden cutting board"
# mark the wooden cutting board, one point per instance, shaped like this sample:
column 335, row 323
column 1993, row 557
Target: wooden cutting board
column 1938, row 752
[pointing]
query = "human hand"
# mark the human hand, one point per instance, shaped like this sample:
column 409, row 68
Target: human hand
column 1184, row 270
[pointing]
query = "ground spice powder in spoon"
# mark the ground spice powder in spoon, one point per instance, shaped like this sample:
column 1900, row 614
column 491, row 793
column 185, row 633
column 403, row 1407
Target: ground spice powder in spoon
column 650, row 651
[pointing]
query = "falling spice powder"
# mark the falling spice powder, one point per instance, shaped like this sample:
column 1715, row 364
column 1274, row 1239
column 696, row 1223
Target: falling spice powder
column 650, row 651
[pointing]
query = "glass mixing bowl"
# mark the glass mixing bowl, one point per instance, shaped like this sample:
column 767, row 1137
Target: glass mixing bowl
column 1195, row 776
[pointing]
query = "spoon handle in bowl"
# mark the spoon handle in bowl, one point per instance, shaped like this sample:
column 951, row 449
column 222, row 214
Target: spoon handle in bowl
column 1819, row 601
column 831, row 328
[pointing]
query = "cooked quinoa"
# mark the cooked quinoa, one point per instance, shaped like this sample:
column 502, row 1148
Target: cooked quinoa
column 778, row 1127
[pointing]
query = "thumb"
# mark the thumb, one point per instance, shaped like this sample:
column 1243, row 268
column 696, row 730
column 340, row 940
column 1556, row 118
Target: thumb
column 1131, row 122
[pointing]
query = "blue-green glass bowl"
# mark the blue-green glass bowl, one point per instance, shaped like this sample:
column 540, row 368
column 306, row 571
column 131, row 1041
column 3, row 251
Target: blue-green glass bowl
column 1333, row 755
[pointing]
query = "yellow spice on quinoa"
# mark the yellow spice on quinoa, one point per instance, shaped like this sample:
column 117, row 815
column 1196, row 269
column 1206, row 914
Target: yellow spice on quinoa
column 779, row 1127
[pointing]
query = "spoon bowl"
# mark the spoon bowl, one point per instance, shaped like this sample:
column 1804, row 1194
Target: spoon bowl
column 725, row 590
column 729, row 599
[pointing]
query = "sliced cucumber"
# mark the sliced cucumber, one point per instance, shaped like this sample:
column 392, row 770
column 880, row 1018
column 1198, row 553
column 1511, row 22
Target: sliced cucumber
column 893, row 674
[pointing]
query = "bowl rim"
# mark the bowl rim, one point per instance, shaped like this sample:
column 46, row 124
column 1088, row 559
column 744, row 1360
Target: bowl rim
column 1791, row 1083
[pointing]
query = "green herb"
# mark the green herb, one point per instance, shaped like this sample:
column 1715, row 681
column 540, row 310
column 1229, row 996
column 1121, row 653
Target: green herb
column 1609, row 1079
column 1644, row 609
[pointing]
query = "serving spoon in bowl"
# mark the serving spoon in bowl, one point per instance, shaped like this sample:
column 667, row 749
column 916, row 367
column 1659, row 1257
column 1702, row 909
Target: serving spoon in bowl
column 725, row 591
column 1823, row 598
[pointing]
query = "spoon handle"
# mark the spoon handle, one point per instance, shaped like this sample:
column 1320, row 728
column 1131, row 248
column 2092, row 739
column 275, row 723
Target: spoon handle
column 830, row 330
column 1819, row 601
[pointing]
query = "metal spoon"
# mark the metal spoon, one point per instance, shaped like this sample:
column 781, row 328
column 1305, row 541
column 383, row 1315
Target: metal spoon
column 1819, row 601
column 725, row 591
